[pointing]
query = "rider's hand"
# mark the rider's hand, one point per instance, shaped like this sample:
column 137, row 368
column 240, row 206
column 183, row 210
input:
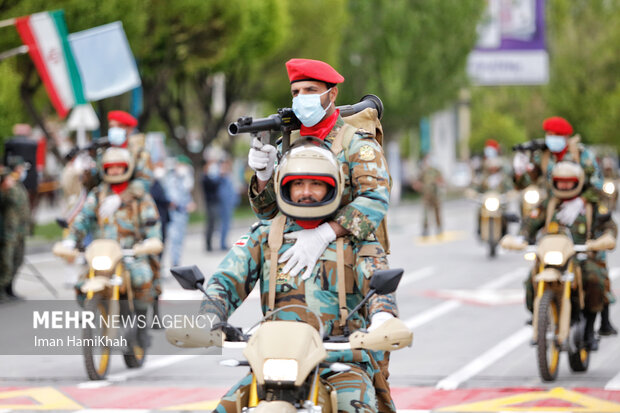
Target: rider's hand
column 109, row 206
column 309, row 246
column 377, row 319
column 520, row 163
column 510, row 242
column 602, row 243
column 570, row 210
column 150, row 246
column 262, row 159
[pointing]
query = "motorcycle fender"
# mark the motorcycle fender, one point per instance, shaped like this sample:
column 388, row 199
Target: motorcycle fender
column 95, row 284
column 192, row 337
column 548, row 275
column 276, row 406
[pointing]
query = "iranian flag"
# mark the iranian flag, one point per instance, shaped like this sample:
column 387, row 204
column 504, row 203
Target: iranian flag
column 45, row 34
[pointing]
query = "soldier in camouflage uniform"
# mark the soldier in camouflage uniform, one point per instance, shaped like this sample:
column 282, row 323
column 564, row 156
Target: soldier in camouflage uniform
column 15, row 207
column 428, row 184
column 309, row 191
column 366, row 195
column 589, row 225
column 134, row 224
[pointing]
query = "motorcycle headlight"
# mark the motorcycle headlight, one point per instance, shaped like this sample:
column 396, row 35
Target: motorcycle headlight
column 102, row 263
column 553, row 258
column 609, row 188
column 491, row 204
column 280, row 370
column 530, row 256
column 531, row 197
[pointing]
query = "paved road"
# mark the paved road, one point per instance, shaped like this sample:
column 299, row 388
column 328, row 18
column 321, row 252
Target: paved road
column 466, row 311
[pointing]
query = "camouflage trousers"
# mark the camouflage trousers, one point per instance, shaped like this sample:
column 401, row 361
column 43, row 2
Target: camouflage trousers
column 354, row 388
column 141, row 283
column 595, row 284
column 431, row 204
column 11, row 258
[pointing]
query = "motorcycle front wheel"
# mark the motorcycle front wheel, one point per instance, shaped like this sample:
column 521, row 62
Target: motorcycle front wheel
column 96, row 358
column 547, row 351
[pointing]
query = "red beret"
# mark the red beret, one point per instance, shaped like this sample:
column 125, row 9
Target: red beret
column 493, row 143
column 123, row 117
column 307, row 69
column 558, row 126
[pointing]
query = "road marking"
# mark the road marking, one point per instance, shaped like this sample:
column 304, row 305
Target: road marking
column 486, row 359
column 417, row 275
column 148, row 367
column 580, row 402
column 43, row 257
column 46, row 398
column 444, row 237
column 451, row 305
column 204, row 405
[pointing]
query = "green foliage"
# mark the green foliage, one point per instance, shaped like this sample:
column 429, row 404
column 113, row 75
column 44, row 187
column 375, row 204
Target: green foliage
column 495, row 125
column 11, row 108
column 410, row 53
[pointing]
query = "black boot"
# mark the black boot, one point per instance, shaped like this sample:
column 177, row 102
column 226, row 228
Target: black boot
column 157, row 325
column 606, row 329
column 589, row 340
column 143, row 336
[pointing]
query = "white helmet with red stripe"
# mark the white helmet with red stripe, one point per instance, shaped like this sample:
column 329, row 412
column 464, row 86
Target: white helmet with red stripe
column 307, row 160
column 117, row 157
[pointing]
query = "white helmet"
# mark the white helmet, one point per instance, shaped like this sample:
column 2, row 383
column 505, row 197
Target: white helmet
column 117, row 157
column 306, row 160
column 567, row 172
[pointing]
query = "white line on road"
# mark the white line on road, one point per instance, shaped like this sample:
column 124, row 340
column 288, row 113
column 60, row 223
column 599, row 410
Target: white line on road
column 614, row 383
column 42, row 257
column 485, row 360
column 417, row 275
column 451, row 305
column 148, row 367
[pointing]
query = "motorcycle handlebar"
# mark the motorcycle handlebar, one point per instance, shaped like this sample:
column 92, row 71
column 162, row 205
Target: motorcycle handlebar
column 285, row 119
column 533, row 145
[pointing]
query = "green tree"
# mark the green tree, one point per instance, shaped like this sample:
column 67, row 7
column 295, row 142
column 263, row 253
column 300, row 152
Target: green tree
column 412, row 54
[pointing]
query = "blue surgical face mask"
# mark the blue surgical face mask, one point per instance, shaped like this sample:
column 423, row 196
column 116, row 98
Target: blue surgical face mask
column 116, row 136
column 555, row 143
column 308, row 108
column 490, row 152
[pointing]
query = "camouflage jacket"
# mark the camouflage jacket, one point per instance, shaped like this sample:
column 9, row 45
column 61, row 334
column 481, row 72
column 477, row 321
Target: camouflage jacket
column 431, row 179
column 248, row 263
column 132, row 222
column 15, row 211
column 594, row 178
column 366, row 195
column 601, row 222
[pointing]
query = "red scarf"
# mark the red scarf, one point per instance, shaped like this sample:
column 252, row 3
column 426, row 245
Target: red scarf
column 309, row 224
column 119, row 188
column 321, row 129
column 560, row 155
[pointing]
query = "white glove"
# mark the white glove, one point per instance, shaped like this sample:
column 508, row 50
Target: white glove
column 109, row 206
column 520, row 163
column 570, row 210
column 377, row 319
column 262, row 159
column 309, row 246
column 65, row 249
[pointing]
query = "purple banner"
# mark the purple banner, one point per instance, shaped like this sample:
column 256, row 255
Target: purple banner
column 512, row 25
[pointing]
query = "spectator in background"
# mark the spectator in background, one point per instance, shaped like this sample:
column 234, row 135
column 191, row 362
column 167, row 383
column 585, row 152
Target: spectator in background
column 158, row 192
column 179, row 185
column 429, row 183
column 228, row 200
column 210, row 182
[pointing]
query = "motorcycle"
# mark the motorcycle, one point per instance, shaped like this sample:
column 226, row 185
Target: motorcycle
column 285, row 356
column 492, row 217
column 558, row 322
column 611, row 191
column 531, row 197
column 108, row 296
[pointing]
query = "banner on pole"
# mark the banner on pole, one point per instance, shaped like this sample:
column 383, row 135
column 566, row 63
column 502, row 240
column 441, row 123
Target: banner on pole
column 104, row 59
column 511, row 45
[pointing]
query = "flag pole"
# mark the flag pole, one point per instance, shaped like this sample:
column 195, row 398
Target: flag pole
column 7, row 22
column 13, row 52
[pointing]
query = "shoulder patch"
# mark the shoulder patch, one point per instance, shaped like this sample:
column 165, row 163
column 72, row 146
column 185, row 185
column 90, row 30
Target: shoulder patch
column 603, row 210
column 367, row 153
column 255, row 226
column 535, row 213
column 241, row 242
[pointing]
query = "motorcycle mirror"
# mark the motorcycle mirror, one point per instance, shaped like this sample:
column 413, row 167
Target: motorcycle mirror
column 386, row 281
column 189, row 277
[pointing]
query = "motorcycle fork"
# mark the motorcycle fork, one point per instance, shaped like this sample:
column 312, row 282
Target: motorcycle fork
column 540, row 290
column 253, row 397
column 91, row 274
column 565, row 310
